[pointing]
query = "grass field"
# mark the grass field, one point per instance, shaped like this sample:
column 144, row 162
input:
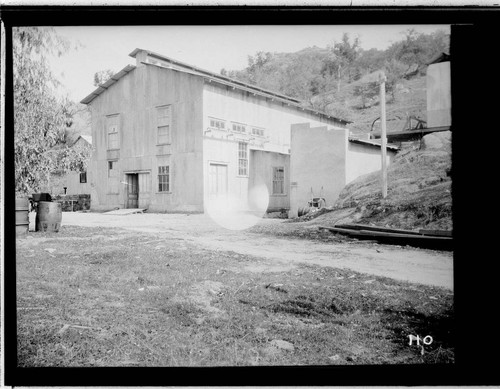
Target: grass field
column 110, row 297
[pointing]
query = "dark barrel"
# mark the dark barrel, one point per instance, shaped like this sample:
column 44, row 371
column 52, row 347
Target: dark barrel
column 22, row 215
column 303, row 211
column 48, row 217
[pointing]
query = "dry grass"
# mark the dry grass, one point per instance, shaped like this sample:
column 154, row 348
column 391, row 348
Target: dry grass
column 139, row 300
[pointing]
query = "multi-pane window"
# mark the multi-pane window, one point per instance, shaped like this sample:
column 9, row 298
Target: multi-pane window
column 239, row 127
column 278, row 180
column 83, row 178
column 257, row 131
column 242, row 159
column 163, row 179
column 112, row 129
column 217, row 123
column 163, row 121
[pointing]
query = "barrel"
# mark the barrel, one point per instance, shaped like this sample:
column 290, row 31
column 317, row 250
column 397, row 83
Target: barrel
column 48, row 217
column 22, row 215
column 303, row 211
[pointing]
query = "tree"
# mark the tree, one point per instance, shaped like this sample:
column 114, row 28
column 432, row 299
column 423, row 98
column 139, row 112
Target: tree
column 417, row 48
column 343, row 55
column 394, row 71
column 102, row 76
column 40, row 118
column 366, row 91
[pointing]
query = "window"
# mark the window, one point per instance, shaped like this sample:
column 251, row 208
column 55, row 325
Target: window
column 113, row 136
column 257, row 131
column 217, row 123
column 242, row 159
column 83, row 178
column 163, row 120
column 163, row 179
column 112, row 170
column 278, row 180
column 113, row 177
column 239, row 127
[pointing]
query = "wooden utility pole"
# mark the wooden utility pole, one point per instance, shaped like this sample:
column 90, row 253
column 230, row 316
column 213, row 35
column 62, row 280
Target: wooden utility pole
column 382, row 79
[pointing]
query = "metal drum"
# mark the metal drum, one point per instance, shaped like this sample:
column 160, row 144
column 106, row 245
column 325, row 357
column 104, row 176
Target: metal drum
column 48, row 217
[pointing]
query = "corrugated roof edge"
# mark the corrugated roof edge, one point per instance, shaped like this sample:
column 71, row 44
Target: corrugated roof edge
column 375, row 144
column 216, row 76
column 227, row 83
column 443, row 57
column 133, row 54
column 101, row 88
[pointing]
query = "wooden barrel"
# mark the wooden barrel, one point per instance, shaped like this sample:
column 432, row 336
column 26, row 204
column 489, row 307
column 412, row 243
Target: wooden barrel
column 303, row 211
column 48, row 216
column 22, row 215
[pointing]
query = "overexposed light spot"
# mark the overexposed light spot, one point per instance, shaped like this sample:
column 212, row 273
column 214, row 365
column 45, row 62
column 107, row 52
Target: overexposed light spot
column 234, row 213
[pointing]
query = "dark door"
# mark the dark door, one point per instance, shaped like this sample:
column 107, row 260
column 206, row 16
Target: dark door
column 132, row 191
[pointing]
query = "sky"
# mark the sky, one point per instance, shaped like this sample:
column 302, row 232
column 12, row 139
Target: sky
column 207, row 47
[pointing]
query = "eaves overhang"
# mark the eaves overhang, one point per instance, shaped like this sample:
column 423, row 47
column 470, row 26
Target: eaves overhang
column 250, row 89
column 103, row 87
column 372, row 144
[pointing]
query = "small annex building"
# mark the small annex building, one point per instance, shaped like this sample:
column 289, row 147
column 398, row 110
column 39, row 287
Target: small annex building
column 171, row 137
column 72, row 183
column 77, row 182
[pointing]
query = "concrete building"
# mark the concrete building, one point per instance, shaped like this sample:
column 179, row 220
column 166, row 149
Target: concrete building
column 325, row 159
column 168, row 136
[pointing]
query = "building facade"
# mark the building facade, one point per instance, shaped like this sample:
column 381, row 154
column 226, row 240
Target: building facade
column 171, row 137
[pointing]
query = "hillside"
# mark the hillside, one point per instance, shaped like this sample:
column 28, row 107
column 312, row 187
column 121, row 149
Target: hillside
column 335, row 79
column 409, row 98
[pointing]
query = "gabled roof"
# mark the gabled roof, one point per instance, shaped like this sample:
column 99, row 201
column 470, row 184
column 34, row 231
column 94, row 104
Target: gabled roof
column 443, row 57
column 101, row 88
column 202, row 72
column 173, row 64
column 86, row 138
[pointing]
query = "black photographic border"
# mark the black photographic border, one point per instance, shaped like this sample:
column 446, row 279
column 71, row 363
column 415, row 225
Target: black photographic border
column 474, row 37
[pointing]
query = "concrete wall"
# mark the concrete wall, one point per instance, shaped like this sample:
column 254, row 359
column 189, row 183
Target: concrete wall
column 364, row 159
column 317, row 160
column 438, row 95
column 324, row 157
column 135, row 98
column 261, row 173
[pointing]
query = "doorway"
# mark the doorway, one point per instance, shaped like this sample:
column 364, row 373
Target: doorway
column 132, row 200
column 217, row 181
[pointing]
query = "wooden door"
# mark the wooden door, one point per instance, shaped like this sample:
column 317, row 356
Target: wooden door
column 217, row 181
column 144, row 190
column 132, row 191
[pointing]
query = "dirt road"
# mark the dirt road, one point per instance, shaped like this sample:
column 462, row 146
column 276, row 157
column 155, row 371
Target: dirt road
column 427, row 267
